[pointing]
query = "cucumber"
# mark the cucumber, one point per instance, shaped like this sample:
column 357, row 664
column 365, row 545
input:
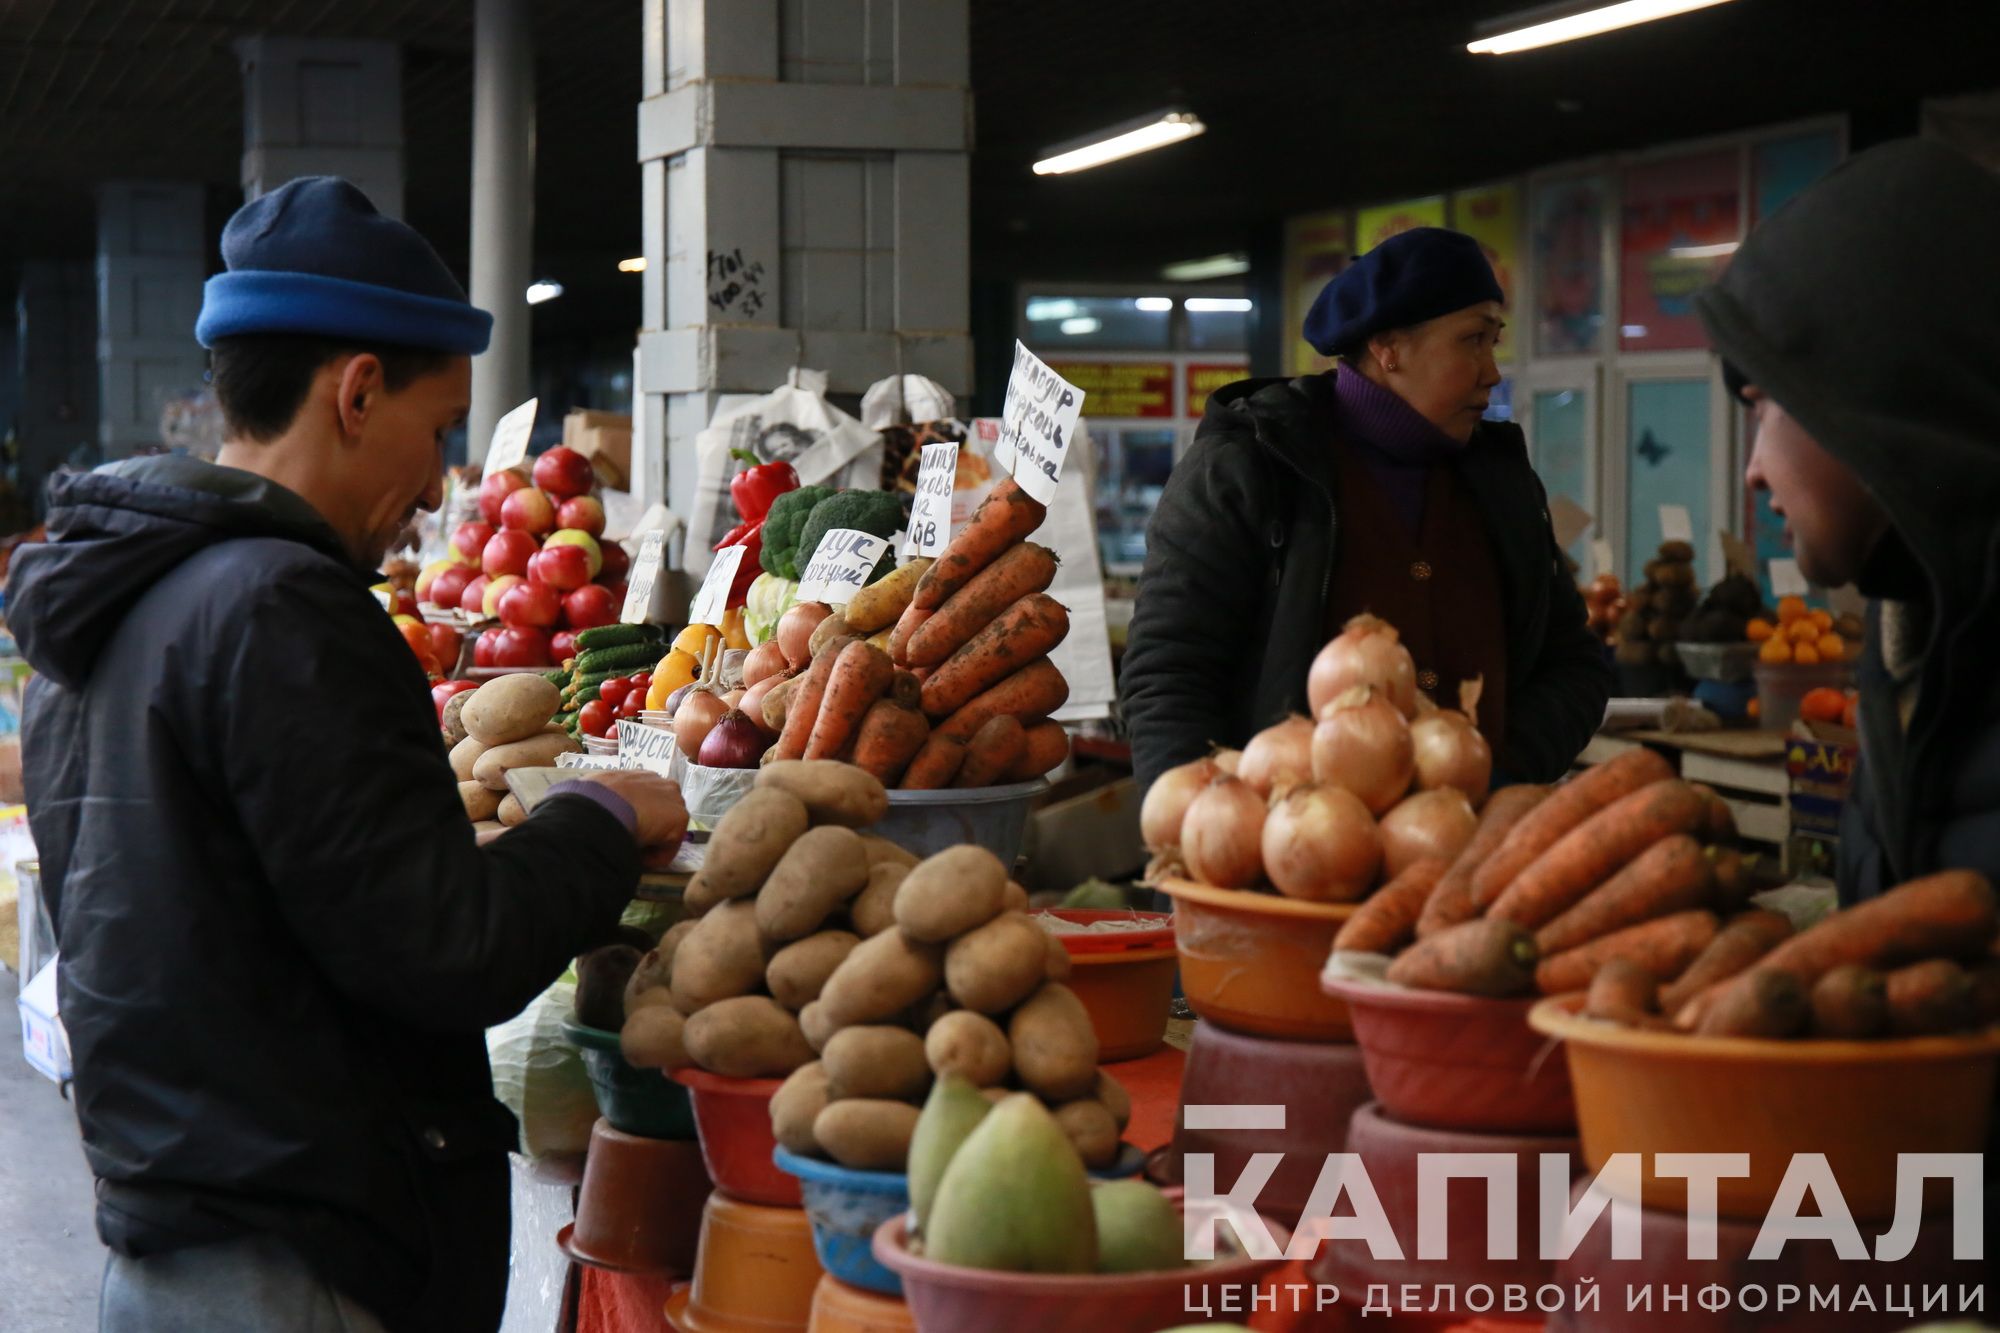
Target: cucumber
column 557, row 677
column 624, row 659
column 614, row 636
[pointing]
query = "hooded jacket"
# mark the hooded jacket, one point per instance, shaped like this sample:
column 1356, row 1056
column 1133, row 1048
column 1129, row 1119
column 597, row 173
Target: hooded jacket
column 1239, row 557
column 280, row 945
column 1865, row 308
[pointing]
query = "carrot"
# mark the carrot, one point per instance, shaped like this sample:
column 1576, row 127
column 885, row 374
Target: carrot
column 1047, row 745
column 802, row 712
column 935, row 765
column 907, row 625
column 994, row 749
column 861, row 675
column 1452, row 902
column 888, row 739
column 907, row 690
column 1023, row 569
column 1568, row 806
column 1386, row 921
column 1950, row 914
column 1004, row 517
column 1850, row 1001
column 1594, row 849
column 1663, row 946
column 1670, row 876
column 1623, row 992
column 1758, row 1004
column 1718, row 824
column 1739, row 944
column 1929, row 997
column 1025, row 631
column 1986, row 990
column 1036, row 690
column 1487, row 957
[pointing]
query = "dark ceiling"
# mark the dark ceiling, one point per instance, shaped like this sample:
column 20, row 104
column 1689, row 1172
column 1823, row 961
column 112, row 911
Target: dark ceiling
column 1310, row 103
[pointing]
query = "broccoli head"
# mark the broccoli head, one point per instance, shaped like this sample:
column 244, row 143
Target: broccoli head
column 782, row 524
column 878, row 513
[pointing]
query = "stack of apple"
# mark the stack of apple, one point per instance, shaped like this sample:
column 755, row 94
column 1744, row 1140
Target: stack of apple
column 532, row 560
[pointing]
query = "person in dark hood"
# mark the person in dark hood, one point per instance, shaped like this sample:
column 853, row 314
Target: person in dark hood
column 1377, row 487
column 1857, row 323
column 280, row 943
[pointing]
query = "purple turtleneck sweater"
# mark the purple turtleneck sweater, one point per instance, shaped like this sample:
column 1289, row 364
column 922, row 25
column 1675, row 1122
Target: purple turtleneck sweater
column 1399, row 444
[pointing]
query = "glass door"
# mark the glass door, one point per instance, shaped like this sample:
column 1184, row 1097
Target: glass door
column 1560, row 417
column 1673, row 429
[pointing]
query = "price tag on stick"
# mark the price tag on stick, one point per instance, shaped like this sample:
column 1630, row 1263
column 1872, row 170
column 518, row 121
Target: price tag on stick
column 509, row 446
column 930, row 515
column 1675, row 524
column 713, row 599
column 1037, row 425
column 645, row 573
column 840, row 566
column 1601, row 559
column 1787, row 579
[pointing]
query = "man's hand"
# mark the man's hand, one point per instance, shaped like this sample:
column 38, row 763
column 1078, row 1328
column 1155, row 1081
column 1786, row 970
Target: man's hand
column 656, row 802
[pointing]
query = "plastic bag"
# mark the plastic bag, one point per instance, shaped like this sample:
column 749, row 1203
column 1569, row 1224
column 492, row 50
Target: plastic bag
column 540, row 1077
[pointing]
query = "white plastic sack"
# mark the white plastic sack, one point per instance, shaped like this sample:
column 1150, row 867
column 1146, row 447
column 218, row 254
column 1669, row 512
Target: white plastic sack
column 903, row 399
column 540, row 1077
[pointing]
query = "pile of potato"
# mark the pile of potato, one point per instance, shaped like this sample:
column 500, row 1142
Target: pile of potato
column 504, row 724
column 839, row 962
column 1654, row 610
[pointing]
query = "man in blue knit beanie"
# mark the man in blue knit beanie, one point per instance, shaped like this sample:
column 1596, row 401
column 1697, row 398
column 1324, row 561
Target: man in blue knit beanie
column 281, row 942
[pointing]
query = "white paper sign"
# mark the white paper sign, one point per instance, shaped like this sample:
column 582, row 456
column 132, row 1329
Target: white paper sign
column 713, row 599
column 840, row 566
column 645, row 573
column 591, row 762
column 509, row 446
column 930, row 515
column 1675, row 525
column 1601, row 559
column 641, row 746
column 1787, row 579
column 1037, row 425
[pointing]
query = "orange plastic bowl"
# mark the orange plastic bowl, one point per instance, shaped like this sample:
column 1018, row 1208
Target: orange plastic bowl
column 1251, row 961
column 640, row 1206
column 1125, row 979
column 733, row 1118
column 756, row 1274
column 1858, row 1102
column 839, row 1308
column 1444, row 1061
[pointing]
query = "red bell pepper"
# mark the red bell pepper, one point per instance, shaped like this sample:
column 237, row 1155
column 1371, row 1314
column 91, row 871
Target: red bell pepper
column 750, row 536
column 756, row 486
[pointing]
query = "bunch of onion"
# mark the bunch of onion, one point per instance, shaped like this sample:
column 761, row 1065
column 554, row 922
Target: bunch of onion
column 1449, row 750
column 1367, row 651
column 1320, row 843
column 1362, row 743
column 1431, row 823
column 1278, row 757
column 1222, row 835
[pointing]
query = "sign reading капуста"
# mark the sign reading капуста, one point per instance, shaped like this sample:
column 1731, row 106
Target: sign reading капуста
column 645, row 573
column 1037, row 425
column 713, row 599
column 642, row 746
column 840, row 566
column 930, row 515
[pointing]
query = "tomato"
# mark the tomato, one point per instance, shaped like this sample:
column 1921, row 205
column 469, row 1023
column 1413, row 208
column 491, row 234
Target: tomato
column 633, row 702
column 613, row 691
column 595, row 718
column 642, row 681
column 418, row 636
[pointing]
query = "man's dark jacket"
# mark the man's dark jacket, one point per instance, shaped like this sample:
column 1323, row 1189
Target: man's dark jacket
column 1239, row 558
column 280, row 946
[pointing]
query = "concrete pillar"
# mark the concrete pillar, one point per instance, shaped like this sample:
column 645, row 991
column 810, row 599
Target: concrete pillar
column 804, row 175
column 319, row 107
column 149, row 275
column 503, row 208
column 55, row 322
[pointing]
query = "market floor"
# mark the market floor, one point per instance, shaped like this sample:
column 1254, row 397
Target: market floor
column 50, row 1258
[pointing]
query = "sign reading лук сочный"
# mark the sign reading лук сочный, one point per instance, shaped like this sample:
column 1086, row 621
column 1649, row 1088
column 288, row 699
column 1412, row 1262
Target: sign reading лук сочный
column 1037, row 425
column 840, row 566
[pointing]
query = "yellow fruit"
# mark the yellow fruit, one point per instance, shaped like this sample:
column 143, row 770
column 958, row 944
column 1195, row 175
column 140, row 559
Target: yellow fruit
column 1831, row 648
column 1776, row 649
column 733, row 633
column 1805, row 655
column 694, row 640
column 1758, row 630
column 676, row 669
column 1790, row 609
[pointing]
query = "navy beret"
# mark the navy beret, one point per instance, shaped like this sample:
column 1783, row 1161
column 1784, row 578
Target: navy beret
column 1409, row 278
column 314, row 257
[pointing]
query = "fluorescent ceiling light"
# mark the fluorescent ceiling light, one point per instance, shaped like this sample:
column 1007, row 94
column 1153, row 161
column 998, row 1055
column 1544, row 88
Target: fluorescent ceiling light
column 632, row 265
column 1155, row 305
column 1081, row 324
column 1217, row 305
column 547, row 289
column 1632, row 330
column 1143, row 135
column 1589, row 23
column 1044, row 312
column 1215, row 266
column 1703, row 251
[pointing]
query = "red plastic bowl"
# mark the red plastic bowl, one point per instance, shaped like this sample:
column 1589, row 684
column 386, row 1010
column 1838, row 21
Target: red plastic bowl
column 732, row 1116
column 1463, row 1062
column 1125, row 979
column 640, row 1207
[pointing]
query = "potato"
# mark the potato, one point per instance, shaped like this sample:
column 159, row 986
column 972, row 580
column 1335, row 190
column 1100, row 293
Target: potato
column 997, row 966
column 883, row 852
column 877, row 606
column 818, row 1028
column 833, row 792
column 749, row 841
column 647, row 998
column 721, row 958
column 488, row 828
column 829, row 629
column 795, row 1106
column 874, row 908
column 1092, row 1129
column 866, row 1134
column 465, row 757
column 510, row 708
column 538, row 751
column 883, row 976
column 697, row 899
column 1016, row 899
column 510, row 813
column 1055, row 1048
column 655, row 972
column 1116, row 1100
column 969, row 1044
column 1059, row 963
column 818, row 873
column 999, row 1094
column 750, row 1036
column 670, row 942
column 601, row 975
column 876, row 1061
column 919, row 1017
column 654, row 1037
column 957, row 890
column 798, row 971
column 480, row 801
column 451, row 721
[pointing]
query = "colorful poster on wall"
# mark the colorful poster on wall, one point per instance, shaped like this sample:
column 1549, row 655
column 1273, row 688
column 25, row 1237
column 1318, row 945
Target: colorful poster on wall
column 1317, row 247
column 1680, row 225
column 1205, row 377
column 1783, row 167
column 1372, row 226
column 1492, row 217
column 1569, row 265
column 1121, row 390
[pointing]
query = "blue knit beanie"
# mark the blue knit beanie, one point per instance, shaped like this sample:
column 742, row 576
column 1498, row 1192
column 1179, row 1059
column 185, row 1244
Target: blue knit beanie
column 1409, row 278
column 314, row 257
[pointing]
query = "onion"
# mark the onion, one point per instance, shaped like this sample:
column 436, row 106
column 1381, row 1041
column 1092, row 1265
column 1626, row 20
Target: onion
column 1366, row 652
column 1278, row 757
column 753, row 699
column 1321, row 843
column 1222, row 836
column 734, row 698
column 795, row 629
column 1431, row 823
column 692, row 720
column 1227, row 760
column 1363, row 744
column 733, row 742
column 676, row 699
column 765, row 660
column 1167, row 801
column 1449, row 749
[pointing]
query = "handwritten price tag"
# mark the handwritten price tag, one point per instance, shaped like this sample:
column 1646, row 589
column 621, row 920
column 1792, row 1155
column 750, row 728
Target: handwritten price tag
column 509, row 446
column 641, row 746
column 1037, row 424
column 1787, row 579
column 1601, row 560
column 645, row 573
column 713, row 599
column 840, row 566
column 930, row 516
column 1675, row 525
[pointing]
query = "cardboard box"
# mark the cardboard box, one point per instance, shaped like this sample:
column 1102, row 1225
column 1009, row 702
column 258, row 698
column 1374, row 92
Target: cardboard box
column 1821, row 772
column 605, row 438
column 43, row 1040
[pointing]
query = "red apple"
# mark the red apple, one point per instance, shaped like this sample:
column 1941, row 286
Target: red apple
column 617, row 591
column 590, row 606
column 615, row 562
column 445, row 645
column 531, row 604
column 473, row 600
column 564, row 568
column 403, row 602
column 442, row 691
column 582, row 512
column 562, row 645
column 528, row 510
column 496, row 588
column 563, row 473
column 578, row 537
column 448, row 587
column 515, row 646
column 508, row 553
column 429, row 576
column 482, row 648
column 494, row 488
column 469, row 539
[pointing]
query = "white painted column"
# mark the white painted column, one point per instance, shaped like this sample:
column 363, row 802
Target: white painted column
column 149, row 276
column 503, row 208
column 322, row 107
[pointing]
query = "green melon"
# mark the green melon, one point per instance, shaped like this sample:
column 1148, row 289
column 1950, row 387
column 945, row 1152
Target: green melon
column 1014, row 1198
column 952, row 1111
column 1138, row 1228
